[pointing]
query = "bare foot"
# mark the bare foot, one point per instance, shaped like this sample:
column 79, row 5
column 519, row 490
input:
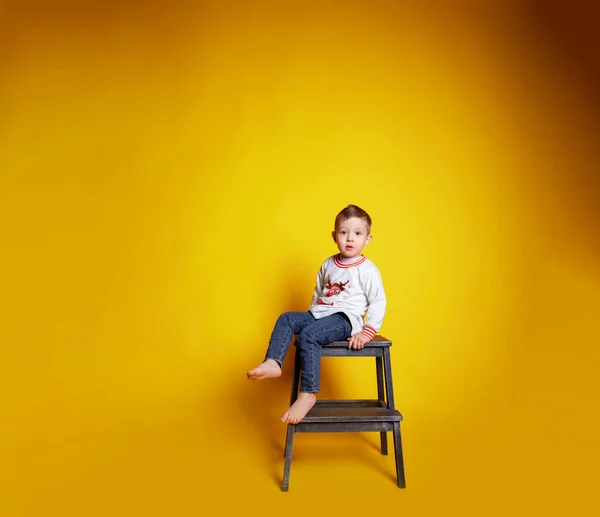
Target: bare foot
column 270, row 369
column 299, row 408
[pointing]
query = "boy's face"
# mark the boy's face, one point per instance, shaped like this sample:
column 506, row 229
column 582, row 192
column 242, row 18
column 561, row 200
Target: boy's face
column 351, row 237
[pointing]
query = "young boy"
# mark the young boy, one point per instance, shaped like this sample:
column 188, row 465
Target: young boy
column 348, row 284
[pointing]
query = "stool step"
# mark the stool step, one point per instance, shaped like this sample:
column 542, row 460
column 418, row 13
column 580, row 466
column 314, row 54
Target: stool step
column 351, row 414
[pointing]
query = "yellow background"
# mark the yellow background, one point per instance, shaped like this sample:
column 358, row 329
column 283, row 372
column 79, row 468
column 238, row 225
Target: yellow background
column 169, row 176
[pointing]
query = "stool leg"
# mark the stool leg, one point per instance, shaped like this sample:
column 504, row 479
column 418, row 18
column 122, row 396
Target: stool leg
column 289, row 445
column 399, row 457
column 389, row 387
column 381, row 398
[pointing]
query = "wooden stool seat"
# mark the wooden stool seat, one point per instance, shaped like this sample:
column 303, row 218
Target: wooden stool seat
column 363, row 415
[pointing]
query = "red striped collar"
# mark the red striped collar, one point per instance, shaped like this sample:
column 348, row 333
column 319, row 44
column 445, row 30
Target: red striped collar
column 337, row 261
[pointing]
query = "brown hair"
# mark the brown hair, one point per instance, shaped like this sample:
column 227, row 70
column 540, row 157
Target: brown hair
column 353, row 211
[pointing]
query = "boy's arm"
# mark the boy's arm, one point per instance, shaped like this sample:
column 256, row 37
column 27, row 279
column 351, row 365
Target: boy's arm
column 373, row 289
column 377, row 304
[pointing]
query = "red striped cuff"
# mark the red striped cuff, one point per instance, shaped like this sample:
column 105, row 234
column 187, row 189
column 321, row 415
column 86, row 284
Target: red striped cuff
column 369, row 331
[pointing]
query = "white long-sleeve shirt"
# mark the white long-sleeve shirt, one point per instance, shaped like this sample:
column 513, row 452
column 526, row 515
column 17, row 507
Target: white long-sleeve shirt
column 353, row 287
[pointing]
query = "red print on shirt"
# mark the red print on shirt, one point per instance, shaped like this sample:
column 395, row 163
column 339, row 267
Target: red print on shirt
column 334, row 289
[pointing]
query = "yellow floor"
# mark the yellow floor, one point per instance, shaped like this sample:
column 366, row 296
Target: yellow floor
column 227, row 453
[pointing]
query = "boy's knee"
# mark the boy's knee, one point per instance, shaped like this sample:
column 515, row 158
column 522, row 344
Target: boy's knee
column 306, row 336
column 284, row 317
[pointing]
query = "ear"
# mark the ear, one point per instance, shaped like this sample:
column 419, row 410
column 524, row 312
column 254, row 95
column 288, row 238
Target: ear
column 368, row 239
column 333, row 236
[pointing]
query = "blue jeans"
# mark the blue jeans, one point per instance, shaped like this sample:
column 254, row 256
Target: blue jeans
column 312, row 334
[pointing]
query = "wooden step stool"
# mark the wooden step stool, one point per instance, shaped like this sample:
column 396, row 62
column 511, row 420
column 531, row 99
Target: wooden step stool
column 352, row 415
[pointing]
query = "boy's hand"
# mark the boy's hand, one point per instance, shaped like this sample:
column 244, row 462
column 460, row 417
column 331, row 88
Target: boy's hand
column 358, row 341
